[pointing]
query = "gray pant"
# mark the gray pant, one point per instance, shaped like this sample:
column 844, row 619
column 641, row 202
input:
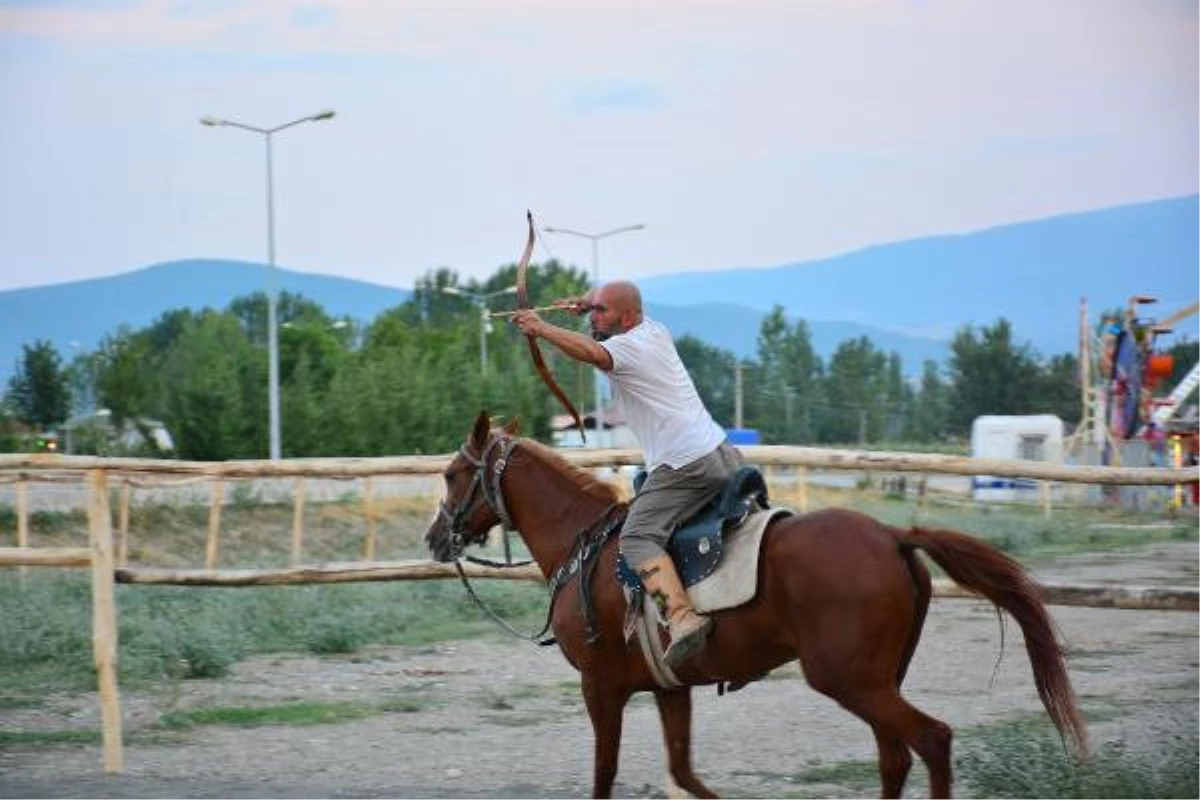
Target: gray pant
column 669, row 496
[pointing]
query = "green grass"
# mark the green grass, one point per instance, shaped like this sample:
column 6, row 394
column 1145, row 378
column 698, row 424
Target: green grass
column 404, row 705
column 55, row 738
column 292, row 714
column 10, row 701
column 172, row 723
column 1020, row 531
column 838, row 779
column 168, row 632
column 1026, row 759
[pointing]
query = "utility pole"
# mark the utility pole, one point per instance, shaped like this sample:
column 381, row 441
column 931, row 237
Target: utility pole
column 595, row 239
column 737, row 393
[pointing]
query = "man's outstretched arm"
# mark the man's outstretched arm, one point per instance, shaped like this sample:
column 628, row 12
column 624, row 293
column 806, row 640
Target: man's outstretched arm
column 573, row 343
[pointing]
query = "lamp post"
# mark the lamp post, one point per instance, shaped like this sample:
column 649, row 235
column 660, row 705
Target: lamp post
column 595, row 239
column 272, row 328
column 480, row 299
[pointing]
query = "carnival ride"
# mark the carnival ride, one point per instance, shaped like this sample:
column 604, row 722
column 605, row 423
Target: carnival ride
column 1123, row 371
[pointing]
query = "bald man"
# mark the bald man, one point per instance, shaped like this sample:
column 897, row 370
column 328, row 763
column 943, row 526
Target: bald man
column 687, row 455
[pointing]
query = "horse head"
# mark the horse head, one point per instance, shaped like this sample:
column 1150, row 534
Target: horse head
column 473, row 504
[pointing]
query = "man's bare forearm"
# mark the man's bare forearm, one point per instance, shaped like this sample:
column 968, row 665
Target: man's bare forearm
column 576, row 345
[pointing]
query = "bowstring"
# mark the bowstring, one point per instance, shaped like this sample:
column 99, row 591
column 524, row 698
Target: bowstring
column 540, row 244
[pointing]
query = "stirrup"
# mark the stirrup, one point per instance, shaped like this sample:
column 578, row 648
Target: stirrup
column 683, row 649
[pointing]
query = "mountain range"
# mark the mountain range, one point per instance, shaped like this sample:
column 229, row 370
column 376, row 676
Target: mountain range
column 908, row 297
column 1031, row 273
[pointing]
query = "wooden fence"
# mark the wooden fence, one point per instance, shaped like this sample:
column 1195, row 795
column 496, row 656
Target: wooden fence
column 108, row 566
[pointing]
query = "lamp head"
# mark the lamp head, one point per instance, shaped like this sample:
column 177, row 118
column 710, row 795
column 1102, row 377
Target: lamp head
column 326, row 114
column 213, row 121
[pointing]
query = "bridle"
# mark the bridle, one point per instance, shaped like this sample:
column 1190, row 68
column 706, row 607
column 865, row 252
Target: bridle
column 483, row 491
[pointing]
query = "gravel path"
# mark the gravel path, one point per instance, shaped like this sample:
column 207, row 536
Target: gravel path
column 502, row 718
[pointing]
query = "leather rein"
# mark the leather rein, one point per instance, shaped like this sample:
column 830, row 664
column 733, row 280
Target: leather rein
column 485, row 490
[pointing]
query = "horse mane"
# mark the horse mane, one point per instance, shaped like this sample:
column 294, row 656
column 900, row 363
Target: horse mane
column 583, row 479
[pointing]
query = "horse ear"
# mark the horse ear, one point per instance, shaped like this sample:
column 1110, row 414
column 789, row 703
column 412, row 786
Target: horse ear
column 513, row 427
column 480, row 433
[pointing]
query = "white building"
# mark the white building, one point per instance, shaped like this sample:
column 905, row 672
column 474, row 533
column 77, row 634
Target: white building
column 1035, row 437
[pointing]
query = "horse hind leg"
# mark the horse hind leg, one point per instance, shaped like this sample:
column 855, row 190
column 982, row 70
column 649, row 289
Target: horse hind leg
column 675, row 711
column 899, row 727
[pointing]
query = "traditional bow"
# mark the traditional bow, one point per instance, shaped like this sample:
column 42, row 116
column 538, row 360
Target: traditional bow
column 534, row 350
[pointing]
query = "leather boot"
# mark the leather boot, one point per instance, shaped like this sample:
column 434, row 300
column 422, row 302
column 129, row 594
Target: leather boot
column 688, row 629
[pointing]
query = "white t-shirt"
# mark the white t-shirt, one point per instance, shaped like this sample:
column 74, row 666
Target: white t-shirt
column 660, row 402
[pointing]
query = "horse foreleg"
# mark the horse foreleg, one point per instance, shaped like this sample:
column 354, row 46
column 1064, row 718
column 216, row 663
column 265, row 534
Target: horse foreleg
column 675, row 711
column 606, row 707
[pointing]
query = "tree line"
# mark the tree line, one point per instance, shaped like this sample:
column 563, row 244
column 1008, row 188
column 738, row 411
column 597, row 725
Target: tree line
column 411, row 380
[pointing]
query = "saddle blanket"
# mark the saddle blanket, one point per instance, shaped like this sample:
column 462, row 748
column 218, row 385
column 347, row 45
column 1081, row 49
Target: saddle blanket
column 736, row 578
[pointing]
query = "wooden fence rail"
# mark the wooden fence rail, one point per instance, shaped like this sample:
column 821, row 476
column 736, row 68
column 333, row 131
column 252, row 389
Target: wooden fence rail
column 26, row 465
column 1143, row 598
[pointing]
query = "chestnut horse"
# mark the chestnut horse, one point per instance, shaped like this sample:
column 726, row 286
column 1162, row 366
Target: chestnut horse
column 837, row 590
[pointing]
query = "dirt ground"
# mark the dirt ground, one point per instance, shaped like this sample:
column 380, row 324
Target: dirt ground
column 498, row 717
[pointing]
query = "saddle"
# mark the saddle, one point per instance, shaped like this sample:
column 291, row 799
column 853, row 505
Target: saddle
column 697, row 544
column 697, row 547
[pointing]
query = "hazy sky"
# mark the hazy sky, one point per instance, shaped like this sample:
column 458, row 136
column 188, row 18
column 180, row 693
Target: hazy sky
column 739, row 132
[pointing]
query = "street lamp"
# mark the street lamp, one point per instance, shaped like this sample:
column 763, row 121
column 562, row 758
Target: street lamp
column 596, row 237
column 485, row 323
column 272, row 329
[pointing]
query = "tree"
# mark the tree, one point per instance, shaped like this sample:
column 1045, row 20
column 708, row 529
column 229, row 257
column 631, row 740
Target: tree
column 209, row 381
column 1057, row 389
column 39, row 391
column 990, row 374
column 126, row 381
column 789, row 380
column 927, row 420
column 856, row 390
column 712, row 371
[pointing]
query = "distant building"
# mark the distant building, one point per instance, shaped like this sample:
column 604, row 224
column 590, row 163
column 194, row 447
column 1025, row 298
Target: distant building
column 95, row 433
column 614, row 434
column 1034, row 437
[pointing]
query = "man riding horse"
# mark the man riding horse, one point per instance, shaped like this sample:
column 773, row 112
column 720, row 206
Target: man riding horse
column 687, row 455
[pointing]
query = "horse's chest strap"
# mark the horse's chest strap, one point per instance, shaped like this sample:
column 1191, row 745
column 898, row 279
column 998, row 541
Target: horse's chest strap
column 583, row 561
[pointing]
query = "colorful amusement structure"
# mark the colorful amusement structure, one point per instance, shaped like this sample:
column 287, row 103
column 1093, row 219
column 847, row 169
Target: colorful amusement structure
column 1126, row 378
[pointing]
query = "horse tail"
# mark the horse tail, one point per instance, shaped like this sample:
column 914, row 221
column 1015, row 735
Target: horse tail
column 985, row 570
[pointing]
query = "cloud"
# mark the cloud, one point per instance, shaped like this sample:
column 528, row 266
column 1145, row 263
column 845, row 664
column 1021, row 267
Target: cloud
column 617, row 95
column 314, row 16
column 810, row 127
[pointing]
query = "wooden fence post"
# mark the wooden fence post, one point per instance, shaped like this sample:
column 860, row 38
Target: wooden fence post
column 104, row 618
column 298, row 521
column 802, row 488
column 214, row 524
column 123, row 522
column 369, row 513
column 22, row 518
